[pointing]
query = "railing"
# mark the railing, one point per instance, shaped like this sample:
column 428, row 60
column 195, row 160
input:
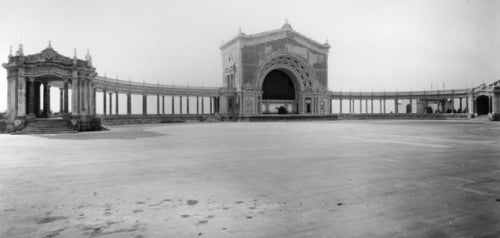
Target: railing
column 400, row 94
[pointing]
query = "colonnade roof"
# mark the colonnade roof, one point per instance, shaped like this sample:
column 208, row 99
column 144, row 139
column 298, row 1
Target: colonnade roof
column 123, row 86
column 402, row 94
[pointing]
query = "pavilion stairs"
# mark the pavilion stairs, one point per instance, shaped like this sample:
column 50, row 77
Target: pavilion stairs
column 46, row 126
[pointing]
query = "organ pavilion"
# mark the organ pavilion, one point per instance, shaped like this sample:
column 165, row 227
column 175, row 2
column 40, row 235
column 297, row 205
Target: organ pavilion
column 274, row 74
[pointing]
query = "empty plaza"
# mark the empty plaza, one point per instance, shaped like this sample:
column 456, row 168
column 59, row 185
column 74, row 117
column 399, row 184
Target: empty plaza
column 390, row 178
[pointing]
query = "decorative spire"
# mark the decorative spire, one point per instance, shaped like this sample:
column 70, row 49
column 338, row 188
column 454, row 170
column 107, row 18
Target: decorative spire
column 88, row 58
column 74, row 53
column 50, row 45
column 240, row 32
column 287, row 24
column 20, row 50
column 10, row 51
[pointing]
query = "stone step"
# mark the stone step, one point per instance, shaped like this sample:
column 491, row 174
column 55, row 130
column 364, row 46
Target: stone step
column 46, row 127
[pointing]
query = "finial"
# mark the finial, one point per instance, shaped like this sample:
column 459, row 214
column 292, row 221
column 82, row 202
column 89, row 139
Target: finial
column 74, row 53
column 10, row 51
column 88, row 58
column 20, row 50
column 239, row 30
column 287, row 24
column 50, row 45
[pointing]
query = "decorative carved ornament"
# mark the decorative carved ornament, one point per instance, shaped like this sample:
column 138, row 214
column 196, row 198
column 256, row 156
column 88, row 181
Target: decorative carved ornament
column 248, row 86
column 302, row 73
column 49, row 55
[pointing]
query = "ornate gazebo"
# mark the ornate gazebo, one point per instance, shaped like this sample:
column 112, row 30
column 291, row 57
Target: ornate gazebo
column 27, row 74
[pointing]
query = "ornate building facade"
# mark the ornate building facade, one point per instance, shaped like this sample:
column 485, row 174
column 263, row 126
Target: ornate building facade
column 274, row 72
column 279, row 71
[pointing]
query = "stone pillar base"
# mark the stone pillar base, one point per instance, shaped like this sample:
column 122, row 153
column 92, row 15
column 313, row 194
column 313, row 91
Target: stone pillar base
column 494, row 116
column 31, row 117
column 85, row 123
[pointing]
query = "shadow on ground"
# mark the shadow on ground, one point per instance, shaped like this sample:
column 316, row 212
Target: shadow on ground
column 127, row 133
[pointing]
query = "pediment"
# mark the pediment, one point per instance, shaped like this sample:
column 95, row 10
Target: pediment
column 48, row 55
column 275, row 35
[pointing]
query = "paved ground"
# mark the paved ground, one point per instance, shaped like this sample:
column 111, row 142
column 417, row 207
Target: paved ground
column 293, row 179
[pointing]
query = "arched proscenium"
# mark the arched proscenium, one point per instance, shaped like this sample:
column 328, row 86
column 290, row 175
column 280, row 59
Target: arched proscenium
column 303, row 77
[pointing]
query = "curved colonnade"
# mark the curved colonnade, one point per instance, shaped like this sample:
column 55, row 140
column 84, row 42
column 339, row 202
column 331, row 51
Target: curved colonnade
column 415, row 101
column 111, row 88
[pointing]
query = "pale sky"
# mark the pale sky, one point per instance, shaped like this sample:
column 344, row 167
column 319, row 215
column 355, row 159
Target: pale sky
column 376, row 45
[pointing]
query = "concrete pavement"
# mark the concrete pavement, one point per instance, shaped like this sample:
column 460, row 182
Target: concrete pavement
column 292, row 179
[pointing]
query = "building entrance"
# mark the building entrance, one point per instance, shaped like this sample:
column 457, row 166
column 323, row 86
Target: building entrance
column 278, row 93
column 482, row 105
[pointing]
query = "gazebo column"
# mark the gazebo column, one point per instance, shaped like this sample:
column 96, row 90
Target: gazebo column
column 81, row 93
column 88, row 98
column 19, row 96
column 461, row 108
column 74, row 95
column 66, row 97
column 187, row 105
column 94, row 100
column 117, row 104
column 31, row 100
column 144, row 104
column 129, row 104
column 61, row 100
column 104, row 109
column 37, row 98
column 46, row 98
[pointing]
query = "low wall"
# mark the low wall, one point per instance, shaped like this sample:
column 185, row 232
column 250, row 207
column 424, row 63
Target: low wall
column 405, row 116
column 147, row 119
column 289, row 117
column 3, row 125
column 141, row 119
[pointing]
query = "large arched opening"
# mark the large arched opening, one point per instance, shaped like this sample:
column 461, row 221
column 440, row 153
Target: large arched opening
column 482, row 105
column 279, row 94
